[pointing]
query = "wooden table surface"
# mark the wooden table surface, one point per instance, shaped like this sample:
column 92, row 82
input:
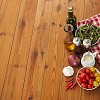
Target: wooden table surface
column 32, row 53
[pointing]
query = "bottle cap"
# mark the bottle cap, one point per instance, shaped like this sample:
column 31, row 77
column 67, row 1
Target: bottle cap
column 70, row 8
column 86, row 43
column 77, row 41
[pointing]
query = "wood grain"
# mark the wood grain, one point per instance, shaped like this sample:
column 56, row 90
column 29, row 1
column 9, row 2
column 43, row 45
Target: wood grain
column 20, row 49
column 8, row 20
column 32, row 52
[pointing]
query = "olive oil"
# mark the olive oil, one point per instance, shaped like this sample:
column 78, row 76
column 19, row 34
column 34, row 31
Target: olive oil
column 71, row 19
column 69, row 45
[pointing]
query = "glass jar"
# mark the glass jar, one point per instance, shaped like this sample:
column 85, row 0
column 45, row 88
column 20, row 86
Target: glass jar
column 77, row 42
column 69, row 45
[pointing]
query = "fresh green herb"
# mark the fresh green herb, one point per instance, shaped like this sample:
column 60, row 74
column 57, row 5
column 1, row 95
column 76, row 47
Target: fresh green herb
column 91, row 32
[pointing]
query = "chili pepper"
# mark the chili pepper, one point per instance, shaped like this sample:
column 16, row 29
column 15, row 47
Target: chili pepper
column 69, row 80
column 68, row 86
column 74, row 85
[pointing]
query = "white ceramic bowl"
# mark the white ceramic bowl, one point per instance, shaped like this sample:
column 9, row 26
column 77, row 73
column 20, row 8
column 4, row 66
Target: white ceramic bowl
column 80, row 85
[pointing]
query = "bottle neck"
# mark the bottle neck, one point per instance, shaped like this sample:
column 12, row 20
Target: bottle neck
column 70, row 14
column 71, row 35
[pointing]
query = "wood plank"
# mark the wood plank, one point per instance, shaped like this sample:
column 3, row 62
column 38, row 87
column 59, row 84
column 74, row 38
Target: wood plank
column 39, row 23
column 7, row 28
column 36, row 63
column 89, row 8
column 51, row 75
column 57, row 90
column 79, row 9
column 97, row 6
column 1, row 3
column 19, row 55
column 34, row 53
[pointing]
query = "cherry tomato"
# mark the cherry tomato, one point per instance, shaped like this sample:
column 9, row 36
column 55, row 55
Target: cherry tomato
column 96, row 74
column 87, row 77
column 85, row 81
column 92, row 69
column 84, row 85
column 90, row 86
column 95, row 83
column 83, row 70
column 98, row 79
column 80, row 72
column 88, row 71
column 91, row 75
column 83, row 75
column 91, row 81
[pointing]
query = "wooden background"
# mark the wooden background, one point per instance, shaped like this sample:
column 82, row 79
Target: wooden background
column 32, row 53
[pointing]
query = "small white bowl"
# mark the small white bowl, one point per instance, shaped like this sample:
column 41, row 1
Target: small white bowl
column 80, row 85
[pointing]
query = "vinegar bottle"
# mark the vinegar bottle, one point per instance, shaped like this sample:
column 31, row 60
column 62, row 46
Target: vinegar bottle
column 69, row 45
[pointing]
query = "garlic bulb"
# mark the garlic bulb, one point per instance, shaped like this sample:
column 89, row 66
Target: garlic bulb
column 68, row 71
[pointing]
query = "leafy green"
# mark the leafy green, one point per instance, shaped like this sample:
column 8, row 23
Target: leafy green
column 91, row 32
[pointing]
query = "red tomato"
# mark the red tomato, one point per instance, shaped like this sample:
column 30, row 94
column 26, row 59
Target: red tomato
column 85, row 81
column 87, row 77
column 88, row 71
column 83, row 75
column 91, row 75
column 80, row 72
column 91, row 81
column 90, row 86
column 93, row 78
column 83, row 70
column 84, row 85
column 80, row 77
column 79, row 80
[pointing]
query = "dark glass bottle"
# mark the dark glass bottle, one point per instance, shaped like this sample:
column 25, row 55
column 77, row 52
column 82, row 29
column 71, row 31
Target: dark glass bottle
column 71, row 19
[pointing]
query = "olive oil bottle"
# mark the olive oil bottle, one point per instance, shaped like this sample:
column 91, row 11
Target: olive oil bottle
column 71, row 19
column 69, row 45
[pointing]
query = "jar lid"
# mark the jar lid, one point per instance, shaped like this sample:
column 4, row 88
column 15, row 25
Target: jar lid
column 87, row 43
column 77, row 41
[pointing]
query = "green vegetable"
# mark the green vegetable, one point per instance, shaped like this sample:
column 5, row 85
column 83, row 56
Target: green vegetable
column 91, row 32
